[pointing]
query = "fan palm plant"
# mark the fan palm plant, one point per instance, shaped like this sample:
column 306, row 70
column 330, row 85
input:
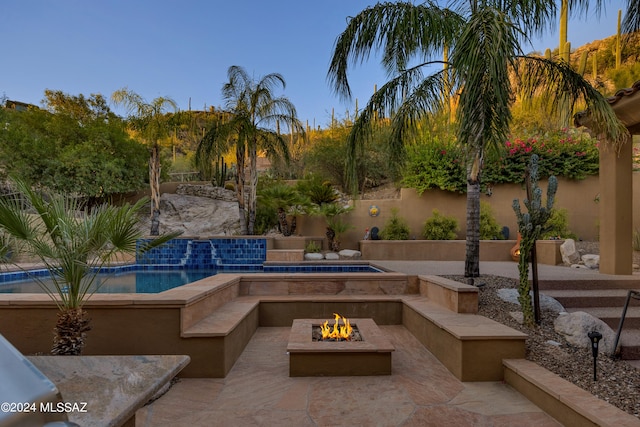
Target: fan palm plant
column 254, row 114
column 336, row 226
column 73, row 244
column 286, row 200
column 485, row 65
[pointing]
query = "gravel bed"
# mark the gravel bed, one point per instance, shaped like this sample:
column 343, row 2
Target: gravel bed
column 618, row 382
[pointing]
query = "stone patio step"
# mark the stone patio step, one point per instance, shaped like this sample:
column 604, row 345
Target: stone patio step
column 571, row 298
column 223, row 320
column 591, row 283
column 630, row 344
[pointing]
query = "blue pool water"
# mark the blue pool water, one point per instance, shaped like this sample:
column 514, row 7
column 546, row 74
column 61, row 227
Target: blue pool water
column 147, row 279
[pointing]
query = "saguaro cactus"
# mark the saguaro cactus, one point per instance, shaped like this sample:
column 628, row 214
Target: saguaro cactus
column 618, row 47
column 564, row 48
column 220, row 173
column 582, row 65
column 531, row 225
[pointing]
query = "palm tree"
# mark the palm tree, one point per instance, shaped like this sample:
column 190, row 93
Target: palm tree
column 73, row 244
column 285, row 200
column 150, row 120
column 485, row 62
column 254, row 112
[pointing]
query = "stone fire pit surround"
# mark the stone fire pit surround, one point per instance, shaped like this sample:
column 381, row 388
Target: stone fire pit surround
column 371, row 356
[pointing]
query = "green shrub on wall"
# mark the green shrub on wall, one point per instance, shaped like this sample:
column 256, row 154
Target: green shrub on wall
column 557, row 226
column 396, row 228
column 489, row 227
column 435, row 164
column 569, row 153
column 440, row 227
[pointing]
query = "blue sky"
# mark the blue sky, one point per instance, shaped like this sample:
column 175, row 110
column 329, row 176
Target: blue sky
column 183, row 48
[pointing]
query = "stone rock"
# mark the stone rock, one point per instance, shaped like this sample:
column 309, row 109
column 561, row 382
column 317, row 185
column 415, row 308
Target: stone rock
column 591, row 261
column 517, row 316
column 207, row 190
column 331, row 256
column 313, row 256
column 350, row 254
column 546, row 302
column 575, row 327
column 569, row 253
column 198, row 216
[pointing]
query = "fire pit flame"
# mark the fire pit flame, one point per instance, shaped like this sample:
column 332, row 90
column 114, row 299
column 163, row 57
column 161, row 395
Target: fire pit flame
column 338, row 332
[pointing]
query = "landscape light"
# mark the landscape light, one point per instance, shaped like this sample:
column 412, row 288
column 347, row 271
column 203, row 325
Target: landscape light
column 594, row 336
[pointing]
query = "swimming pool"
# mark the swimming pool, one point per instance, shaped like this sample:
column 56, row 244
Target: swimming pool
column 140, row 279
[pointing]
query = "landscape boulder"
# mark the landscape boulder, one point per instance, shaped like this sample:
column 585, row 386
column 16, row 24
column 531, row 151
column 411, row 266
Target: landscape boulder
column 547, row 303
column 591, row 261
column 569, row 253
column 349, row 254
column 198, row 216
column 575, row 327
column 207, row 190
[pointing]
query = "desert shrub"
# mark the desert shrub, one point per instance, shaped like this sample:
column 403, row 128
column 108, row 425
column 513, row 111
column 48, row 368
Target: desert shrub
column 636, row 240
column 435, row 165
column 440, row 227
column 557, row 226
column 396, row 228
column 312, row 247
column 489, row 227
column 266, row 219
column 317, row 189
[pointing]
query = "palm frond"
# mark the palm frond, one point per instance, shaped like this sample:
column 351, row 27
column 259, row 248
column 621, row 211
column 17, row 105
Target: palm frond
column 556, row 81
column 631, row 22
column 481, row 61
column 407, row 99
column 214, row 143
column 531, row 17
column 398, row 29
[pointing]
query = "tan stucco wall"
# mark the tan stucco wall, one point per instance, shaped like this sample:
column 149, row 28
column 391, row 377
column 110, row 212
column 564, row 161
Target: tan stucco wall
column 582, row 199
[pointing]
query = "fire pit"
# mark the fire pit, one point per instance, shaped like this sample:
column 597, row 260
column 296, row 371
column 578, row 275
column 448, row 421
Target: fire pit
column 367, row 352
column 341, row 330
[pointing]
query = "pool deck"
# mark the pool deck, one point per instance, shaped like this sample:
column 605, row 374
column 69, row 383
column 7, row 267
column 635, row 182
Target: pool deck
column 420, row 391
column 259, row 392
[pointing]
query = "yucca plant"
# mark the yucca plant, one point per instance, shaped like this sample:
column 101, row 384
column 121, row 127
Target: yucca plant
column 73, row 243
